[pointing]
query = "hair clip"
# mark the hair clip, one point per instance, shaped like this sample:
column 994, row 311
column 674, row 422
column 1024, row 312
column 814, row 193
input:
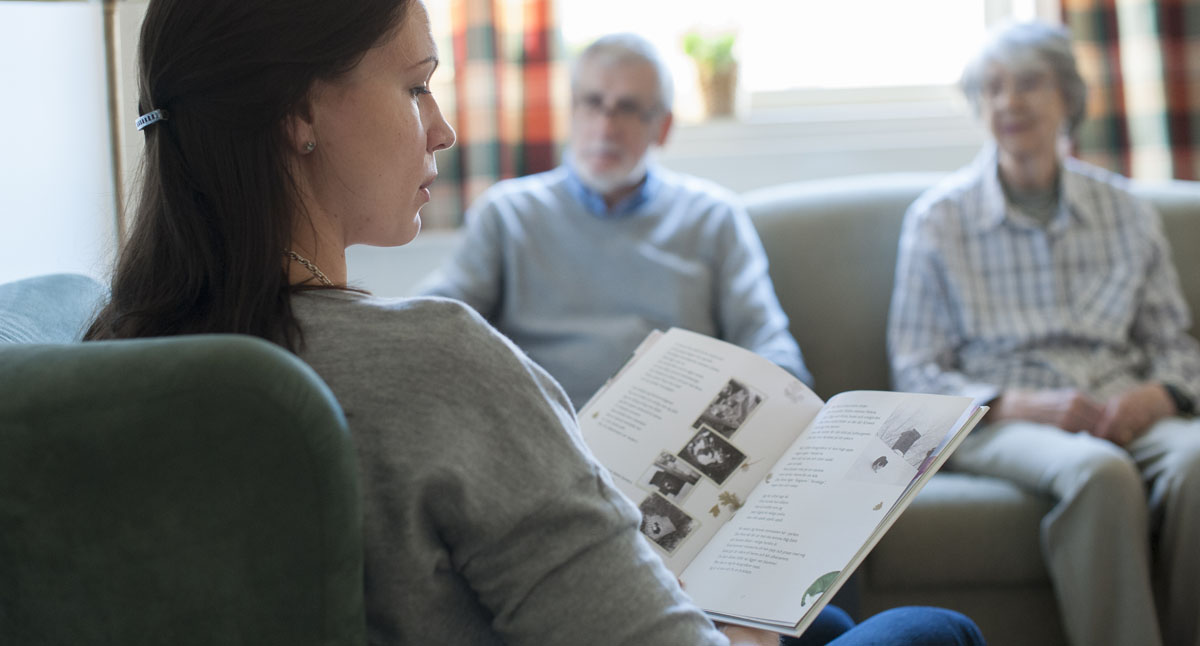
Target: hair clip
column 150, row 118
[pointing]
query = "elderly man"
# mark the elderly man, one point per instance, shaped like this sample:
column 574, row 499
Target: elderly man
column 1039, row 283
column 577, row 265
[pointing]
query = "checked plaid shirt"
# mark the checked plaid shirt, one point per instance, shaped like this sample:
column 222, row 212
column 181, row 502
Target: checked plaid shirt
column 986, row 299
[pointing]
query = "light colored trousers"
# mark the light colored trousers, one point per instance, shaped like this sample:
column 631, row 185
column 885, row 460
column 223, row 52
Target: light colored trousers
column 1122, row 544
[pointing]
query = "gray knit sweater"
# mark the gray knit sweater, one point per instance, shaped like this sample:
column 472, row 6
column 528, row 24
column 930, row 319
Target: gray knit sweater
column 579, row 292
column 485, row 519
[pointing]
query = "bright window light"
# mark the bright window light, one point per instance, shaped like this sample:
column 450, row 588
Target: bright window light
column 864, row 43
column 805, row 44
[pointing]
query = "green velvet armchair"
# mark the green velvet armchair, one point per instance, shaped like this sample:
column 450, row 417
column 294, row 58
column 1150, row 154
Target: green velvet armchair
column 187, row 490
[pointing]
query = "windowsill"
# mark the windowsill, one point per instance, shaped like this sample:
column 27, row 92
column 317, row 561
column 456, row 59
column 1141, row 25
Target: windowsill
column 848, row 104
column 810, row 134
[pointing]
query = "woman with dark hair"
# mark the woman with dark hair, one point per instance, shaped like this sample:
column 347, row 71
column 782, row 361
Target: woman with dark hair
column 279, row 132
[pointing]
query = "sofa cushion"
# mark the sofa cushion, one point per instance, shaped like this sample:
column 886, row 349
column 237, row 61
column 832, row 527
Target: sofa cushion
column 55, row 308
column 832, row 249
column 955, row 519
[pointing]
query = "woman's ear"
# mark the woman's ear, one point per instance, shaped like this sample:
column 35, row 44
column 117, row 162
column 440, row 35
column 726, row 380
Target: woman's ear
column 302, row 135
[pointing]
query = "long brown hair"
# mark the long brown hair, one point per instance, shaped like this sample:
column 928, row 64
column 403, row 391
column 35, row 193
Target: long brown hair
column 217, row 201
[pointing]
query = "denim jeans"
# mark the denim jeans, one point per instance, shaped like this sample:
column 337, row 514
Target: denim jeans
column 908, row 626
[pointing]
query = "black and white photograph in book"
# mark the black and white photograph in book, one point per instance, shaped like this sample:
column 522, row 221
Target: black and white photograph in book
column 730, row 409
column 712, row 455
column 912, row 431
column 908, row 441
column 671, row 477
column 665, row 524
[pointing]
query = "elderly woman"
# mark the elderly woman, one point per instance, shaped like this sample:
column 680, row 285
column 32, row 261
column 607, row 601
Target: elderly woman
column 1038, row 283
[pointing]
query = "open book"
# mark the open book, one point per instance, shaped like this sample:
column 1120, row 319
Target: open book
column 759, row 497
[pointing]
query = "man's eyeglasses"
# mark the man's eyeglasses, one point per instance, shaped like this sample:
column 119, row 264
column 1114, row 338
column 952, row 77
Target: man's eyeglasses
column 626, row 111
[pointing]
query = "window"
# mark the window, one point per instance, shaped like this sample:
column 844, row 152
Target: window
column 806, row 44
column 825, row 89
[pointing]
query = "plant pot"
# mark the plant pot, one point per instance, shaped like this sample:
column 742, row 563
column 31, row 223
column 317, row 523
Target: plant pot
column 718, row 89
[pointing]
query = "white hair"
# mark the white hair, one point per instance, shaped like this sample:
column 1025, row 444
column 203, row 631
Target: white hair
column 1017, row 43
column 621, row 48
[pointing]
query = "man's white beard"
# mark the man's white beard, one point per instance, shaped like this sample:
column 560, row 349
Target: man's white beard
column 610, row 182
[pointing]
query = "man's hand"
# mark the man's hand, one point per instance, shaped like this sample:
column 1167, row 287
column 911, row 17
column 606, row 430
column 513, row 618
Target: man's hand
column 1068, row 409
column 1130, row 414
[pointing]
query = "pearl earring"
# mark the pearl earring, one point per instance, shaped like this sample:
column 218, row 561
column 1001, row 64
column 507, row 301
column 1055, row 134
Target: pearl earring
column 310, row 146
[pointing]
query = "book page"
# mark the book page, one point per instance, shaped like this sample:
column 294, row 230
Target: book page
column 688, row 428
column 818, row 507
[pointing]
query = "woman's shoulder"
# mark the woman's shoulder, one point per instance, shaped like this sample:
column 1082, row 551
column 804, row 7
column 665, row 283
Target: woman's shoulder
column 406, row 337
column 965, row 185
column 1092, row 173
column 365, row 312
column 1088, row 182
column 364, row 321
column 1108, row 198
column 431, row 375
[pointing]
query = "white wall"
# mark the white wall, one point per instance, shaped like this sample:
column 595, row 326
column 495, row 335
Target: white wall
column 130, row 140
column 56, row 177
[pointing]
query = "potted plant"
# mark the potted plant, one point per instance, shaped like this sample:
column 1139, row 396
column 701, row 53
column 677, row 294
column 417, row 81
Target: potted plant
column 716, row 69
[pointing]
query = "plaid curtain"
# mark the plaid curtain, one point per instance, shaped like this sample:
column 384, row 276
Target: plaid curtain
column 1141, row 61
column 507, row 100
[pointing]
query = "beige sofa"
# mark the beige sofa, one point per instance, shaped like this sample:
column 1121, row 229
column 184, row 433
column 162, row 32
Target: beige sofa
column 969, row 543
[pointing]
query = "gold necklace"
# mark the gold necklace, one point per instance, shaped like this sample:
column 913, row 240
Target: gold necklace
column 311, row 267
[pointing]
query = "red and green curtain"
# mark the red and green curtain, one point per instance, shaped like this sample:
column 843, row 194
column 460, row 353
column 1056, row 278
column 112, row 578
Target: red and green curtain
column 1141, row 61
column 507, row 101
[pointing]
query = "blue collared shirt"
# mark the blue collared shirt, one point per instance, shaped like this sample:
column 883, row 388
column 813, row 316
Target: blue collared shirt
column 594, row 202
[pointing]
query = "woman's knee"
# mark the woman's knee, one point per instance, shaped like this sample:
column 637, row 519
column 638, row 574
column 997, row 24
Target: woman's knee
column 830, row 624
column 915, row 626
